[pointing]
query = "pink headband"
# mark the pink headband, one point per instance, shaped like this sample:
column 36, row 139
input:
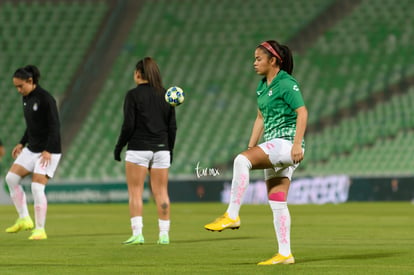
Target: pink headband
column 271, row 50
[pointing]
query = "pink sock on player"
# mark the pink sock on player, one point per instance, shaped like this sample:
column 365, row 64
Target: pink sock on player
column 281, row 221
column 40, row 204
column 17, row 194
column 241, row 173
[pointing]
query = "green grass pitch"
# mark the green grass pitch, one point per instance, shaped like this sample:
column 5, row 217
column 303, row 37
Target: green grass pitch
column 350, row 238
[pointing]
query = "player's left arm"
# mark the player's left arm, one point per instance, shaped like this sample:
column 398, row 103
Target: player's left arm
column 172, row 129
column 301, row 121
column 53, row 131
column 172, row 132
column 294, row 99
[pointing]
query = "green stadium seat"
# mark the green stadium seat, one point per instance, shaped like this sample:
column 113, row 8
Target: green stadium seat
column 195, row 53
column 44, row 44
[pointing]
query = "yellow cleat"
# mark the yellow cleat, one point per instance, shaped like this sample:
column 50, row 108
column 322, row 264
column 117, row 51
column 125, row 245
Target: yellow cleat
column 279, row 259
column 38, row 234
column 25, row 223
column 223, row 222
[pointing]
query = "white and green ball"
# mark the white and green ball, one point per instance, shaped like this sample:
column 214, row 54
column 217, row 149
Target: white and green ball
column 174, row 96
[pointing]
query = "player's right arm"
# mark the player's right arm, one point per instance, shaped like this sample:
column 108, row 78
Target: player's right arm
column 17, row 150
column 128, row 124
column 19, row 147
column 257, row 131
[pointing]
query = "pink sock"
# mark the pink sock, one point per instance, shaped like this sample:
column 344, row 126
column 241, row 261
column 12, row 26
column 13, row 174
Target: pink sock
column 17, row 194
column 241, row 172
column 281, row 221
column 40, row 204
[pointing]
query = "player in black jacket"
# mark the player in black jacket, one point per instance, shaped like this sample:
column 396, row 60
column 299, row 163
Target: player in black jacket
column 41, row 155
column 149, row 129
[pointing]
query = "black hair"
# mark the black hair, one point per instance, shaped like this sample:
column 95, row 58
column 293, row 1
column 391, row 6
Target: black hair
column 285, row 59
column 149, row 71
column 25, row 73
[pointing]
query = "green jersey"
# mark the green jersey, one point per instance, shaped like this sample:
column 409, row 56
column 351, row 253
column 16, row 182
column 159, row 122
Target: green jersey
column 277, row 103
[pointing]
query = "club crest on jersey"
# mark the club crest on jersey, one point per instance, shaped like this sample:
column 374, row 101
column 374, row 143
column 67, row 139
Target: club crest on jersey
column 270, row 93
column 35, row 107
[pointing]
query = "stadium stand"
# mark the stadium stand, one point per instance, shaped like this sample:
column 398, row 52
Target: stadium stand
column 373, row 136
column 360, row 62
column 203, row 47
column 63, row 30
column 371, row 48
column 357, row 79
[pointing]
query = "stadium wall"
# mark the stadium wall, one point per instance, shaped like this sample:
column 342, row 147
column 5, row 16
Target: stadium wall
column 311, row 190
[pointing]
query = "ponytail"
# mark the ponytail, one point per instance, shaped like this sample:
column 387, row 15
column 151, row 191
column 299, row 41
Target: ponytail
column 149, row 71
column 287, row 64
column 25, row 73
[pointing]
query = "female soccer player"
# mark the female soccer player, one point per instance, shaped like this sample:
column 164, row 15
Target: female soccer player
column 149, row 129
column 40, row 157
column 282, row 118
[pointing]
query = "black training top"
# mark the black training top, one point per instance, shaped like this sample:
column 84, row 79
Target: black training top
column 149, row 121
column 42, row 122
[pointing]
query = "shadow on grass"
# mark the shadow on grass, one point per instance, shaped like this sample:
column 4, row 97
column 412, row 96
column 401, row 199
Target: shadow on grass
column 367, row 256
column 74, row 235
column 213, row 239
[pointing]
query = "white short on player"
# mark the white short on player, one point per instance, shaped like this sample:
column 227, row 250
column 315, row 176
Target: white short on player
column 279, row 154
column 31, row 162
column 149, row 159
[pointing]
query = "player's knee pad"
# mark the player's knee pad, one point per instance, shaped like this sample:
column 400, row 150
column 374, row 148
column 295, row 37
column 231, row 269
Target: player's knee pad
column 242, row 161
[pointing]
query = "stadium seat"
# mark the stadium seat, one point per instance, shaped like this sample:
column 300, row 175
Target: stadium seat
column 206, row 48
column 41, row 33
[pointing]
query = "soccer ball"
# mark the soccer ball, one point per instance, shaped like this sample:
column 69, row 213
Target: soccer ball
column 174, row 96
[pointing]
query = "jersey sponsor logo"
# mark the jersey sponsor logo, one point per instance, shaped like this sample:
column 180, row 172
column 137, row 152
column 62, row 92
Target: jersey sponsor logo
column 295, row 88
column 35, row 107
column 270, row 93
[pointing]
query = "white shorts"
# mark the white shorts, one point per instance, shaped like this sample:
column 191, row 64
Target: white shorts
column 279, row 155
column 149, row 159
column 31, row 162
